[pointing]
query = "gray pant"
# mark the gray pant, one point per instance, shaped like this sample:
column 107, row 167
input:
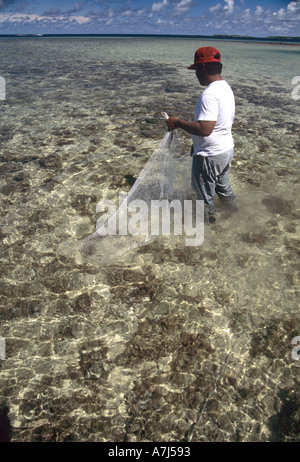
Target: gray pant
column 210, row 175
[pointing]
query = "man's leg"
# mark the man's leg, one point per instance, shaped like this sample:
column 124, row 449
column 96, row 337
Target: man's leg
column 223, row 188
column 204, row 184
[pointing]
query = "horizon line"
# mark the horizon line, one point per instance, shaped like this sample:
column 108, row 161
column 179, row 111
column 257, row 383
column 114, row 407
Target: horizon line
column 216, row 36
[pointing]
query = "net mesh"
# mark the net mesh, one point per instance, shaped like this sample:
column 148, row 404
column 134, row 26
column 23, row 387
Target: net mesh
column 166, row 176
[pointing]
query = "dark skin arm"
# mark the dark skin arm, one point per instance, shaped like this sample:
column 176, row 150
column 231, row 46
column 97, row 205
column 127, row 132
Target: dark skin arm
column 199, row 128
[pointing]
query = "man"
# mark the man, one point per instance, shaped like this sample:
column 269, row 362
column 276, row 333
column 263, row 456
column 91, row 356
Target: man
column 213, row 145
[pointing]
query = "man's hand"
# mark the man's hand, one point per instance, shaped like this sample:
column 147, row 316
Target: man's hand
column 171, row 122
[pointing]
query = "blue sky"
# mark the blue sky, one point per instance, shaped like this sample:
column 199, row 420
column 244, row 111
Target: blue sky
column 199, row 17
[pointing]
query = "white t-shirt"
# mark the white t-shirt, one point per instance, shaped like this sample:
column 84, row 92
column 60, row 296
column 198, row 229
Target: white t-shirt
column 216, row 103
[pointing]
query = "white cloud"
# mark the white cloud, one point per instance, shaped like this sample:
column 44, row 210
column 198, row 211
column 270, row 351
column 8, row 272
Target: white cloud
column 281, row 13
column 290, row 14
column 293, row 7
column 31, row 18
column 259, row 10
column 246, row 16
column 159, row 6
column 216, row 7
column 233, row 18
column 229, row 7
column 183, row 6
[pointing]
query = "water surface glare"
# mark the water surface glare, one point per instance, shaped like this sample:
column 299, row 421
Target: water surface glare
column 167, row 343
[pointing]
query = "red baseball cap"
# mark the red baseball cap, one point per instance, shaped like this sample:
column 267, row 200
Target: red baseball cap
column 206, row 55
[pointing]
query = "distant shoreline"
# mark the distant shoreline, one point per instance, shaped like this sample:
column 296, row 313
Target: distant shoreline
column 272, row 39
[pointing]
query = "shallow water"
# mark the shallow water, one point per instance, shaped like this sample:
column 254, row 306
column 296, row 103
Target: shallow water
column 169, row 343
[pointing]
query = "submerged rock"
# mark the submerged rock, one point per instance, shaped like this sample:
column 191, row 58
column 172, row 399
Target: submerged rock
column 278, row 205
column 53, row 161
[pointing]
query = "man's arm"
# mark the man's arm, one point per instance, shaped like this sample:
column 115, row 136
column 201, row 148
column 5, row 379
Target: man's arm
column 199, row 128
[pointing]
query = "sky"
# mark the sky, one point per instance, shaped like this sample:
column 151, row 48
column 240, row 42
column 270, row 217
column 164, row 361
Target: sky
column 259, row 18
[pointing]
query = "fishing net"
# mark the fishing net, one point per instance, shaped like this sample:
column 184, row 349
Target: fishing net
column 164, row 179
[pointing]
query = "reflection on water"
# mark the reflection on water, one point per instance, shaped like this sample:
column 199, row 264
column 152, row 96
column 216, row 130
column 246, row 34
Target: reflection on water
column 169, row 343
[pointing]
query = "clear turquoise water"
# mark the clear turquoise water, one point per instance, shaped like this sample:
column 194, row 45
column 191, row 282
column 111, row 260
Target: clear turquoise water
column 170, row 343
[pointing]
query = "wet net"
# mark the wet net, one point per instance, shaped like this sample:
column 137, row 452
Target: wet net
column 165, row 178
